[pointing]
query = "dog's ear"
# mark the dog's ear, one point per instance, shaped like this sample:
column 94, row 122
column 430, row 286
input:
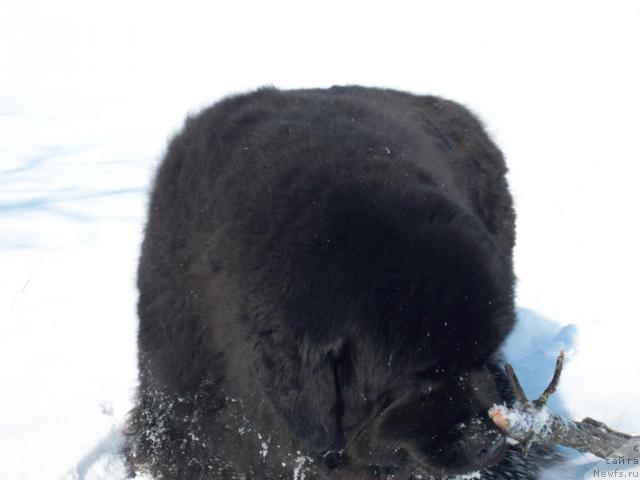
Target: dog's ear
column 299, row 379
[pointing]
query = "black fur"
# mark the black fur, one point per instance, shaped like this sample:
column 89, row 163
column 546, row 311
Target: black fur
column 325, row 279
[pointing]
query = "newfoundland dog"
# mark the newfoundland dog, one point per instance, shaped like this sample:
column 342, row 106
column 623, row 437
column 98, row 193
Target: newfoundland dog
column 325, row 280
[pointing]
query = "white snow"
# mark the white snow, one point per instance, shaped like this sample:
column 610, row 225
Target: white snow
column 298, row 469
column 89, row 93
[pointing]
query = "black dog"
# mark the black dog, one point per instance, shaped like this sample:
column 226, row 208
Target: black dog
column 325, row 280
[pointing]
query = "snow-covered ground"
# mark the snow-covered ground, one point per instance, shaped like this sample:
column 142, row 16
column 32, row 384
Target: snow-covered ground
column 89, row 93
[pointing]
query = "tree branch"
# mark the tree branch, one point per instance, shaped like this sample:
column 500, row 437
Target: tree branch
column 532, row 422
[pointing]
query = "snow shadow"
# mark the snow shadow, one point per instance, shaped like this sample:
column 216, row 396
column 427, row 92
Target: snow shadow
column 103, row 462
column 532, row 349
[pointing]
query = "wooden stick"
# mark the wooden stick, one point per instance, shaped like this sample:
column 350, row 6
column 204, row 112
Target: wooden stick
column 531, row 421
column 515, row 384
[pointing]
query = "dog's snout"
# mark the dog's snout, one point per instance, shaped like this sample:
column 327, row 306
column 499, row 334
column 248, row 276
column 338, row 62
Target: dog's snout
column 484, row 448
column 492, row 453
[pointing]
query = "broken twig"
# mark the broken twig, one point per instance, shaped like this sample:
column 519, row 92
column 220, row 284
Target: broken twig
column 530, row 422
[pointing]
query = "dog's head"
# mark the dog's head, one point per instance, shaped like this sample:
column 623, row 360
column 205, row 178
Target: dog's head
column 379, row 342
